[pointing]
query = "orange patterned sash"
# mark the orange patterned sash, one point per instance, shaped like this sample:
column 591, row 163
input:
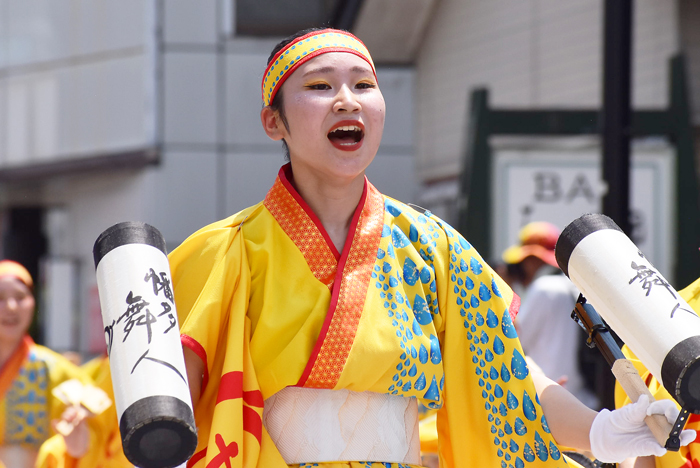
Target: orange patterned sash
column 347, row 274
column 14, row 363
column 349, row 293
column 303, row 228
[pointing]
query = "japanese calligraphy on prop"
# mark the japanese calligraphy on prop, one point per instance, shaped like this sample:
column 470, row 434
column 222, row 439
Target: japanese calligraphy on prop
column 636, row 301
column 143, row 341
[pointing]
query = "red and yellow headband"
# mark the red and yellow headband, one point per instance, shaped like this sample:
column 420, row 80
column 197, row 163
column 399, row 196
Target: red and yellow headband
column 15, row 270
column 305, row 48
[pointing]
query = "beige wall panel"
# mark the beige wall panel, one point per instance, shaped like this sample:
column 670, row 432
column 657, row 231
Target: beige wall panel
column 51, row 30
column 75, row 111
column 534, row 53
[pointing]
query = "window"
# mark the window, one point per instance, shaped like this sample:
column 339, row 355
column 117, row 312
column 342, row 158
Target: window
column 285, row 17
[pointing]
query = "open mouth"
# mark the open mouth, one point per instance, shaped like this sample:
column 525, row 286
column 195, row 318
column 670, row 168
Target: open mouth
column 347, row 137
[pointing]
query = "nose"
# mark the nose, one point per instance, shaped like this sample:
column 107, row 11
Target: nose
column 346, row 101
column 8, row 304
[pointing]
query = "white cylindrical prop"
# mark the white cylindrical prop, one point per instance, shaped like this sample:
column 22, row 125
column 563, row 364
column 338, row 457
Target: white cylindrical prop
column 152, row 395
column 636, row 301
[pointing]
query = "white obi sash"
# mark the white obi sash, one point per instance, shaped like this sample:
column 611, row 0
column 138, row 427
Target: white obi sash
column 311, row 425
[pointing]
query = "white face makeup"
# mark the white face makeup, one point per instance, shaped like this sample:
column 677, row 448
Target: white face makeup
column 335, row 112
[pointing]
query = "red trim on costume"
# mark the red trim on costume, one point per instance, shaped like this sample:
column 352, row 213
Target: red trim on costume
column 284, row 175
column 254, row 398
column 9, row 370
column 231, row 388
column 514, row 307
column 199, row 350
column 647, row 382
column 690, row 463
column 226, row 452
column 693, row 419
column 336, row 290
column 196, row 457
column 302, row 227
column 349, row 293
column 252, row 423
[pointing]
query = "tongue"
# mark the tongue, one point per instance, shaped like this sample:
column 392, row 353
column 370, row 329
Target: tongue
column 345, row 140
column 342, row 138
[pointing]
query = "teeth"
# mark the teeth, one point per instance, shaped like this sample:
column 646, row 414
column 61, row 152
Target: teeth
column 348, row 128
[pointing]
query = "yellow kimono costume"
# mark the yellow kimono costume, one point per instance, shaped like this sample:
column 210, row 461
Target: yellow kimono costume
column 407, row 308
column 105, row 444
column 26, row 403
column 688, row 456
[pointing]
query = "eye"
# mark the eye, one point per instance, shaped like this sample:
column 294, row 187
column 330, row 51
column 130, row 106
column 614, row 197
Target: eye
column 365, row 85
column 319, row 86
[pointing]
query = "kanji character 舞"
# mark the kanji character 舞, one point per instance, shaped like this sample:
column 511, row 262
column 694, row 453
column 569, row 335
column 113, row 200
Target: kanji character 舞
column 649, row 277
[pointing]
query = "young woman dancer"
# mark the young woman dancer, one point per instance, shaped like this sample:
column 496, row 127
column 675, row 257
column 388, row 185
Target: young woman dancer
column 337, row 309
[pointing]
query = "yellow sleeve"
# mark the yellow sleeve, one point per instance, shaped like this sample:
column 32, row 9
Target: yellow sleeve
column 59, row 369
column 491, row 414
column 205, row 272
column 211, row 279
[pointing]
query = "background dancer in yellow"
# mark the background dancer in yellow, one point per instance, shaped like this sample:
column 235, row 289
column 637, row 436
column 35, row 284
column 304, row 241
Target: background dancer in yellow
column 105, row 443
column 337, row 309
column 28, row 374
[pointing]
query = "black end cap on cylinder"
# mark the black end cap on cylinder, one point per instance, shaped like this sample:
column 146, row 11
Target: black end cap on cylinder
column 128, row 232
column 158, row 432
column 575, row 232
column 680, row 373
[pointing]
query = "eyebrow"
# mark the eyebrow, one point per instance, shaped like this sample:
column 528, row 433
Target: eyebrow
column 355, row 69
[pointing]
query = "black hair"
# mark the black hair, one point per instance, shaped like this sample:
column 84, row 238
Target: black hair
column 277, row 103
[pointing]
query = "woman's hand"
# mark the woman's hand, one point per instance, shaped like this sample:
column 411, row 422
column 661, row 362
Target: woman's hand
column 74, row 429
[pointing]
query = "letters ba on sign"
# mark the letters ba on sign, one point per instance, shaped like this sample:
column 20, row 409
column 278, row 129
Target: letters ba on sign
column 560, row 186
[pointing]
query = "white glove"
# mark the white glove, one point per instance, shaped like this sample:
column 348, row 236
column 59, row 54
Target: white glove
column 620, row 434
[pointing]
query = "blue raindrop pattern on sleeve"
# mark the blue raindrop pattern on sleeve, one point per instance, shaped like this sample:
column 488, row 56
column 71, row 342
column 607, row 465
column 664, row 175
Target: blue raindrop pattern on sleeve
column 411, row 303
column 513, row 439
column 410, row 300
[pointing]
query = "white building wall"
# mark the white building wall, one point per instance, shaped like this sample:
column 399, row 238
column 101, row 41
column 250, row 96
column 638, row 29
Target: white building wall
column 532, row 53
column 76, row 79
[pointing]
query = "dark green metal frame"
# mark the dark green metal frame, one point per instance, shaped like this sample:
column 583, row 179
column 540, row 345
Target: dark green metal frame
column 475, row 204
